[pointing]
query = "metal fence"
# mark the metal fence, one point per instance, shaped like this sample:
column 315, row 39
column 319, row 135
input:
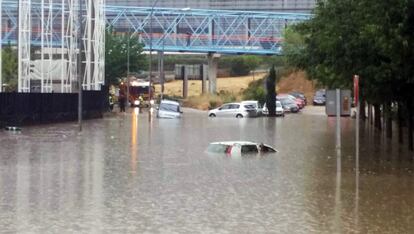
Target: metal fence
column 37, row 108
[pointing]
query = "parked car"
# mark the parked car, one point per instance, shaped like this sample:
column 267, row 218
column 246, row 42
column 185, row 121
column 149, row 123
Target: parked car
column 169, row 109
column 298, row 101
column 238, row 148
column 279, row 109
column 256, row 106
column 319, row 98
column 237, row 110
column 299, row 95
column 289, row 105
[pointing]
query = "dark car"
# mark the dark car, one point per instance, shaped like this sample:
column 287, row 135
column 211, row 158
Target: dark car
column 289, row 105
column 319, row 98
column 299, row 95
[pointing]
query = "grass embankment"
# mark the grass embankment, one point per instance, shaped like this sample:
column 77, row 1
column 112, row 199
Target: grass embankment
column 231, row 89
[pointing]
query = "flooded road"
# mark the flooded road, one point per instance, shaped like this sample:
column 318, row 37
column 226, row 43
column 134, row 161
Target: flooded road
column 126, row 174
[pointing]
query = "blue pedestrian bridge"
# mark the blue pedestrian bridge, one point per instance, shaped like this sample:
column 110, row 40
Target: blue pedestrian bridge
column 173, row 30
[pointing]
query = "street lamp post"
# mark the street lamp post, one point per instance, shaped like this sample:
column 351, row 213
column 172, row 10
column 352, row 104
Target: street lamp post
column 80, row 73
column 128, row 67
column 150, row 62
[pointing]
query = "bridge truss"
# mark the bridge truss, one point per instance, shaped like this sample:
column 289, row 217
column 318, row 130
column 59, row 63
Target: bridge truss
column 48, row 36
column 203, row 31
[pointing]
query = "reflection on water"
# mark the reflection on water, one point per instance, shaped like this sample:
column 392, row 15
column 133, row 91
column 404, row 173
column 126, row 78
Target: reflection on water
column 125, row 174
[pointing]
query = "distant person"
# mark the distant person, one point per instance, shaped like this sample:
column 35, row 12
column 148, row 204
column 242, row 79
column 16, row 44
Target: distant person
column 111, row 102
column 122, row 101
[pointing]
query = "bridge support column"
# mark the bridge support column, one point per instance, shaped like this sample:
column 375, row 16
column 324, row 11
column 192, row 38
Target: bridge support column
column 185, row 81
column 203, row 75
column 212, row 72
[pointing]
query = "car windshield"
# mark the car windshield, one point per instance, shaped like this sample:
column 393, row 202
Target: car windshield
column 278, row 104
column 320, row 94
column 249, row 107
column 169, row 107
column 287, row 101
column 217, row 148
column 249, row 149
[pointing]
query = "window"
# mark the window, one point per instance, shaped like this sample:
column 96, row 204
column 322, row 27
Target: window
column 217, row 148
column 249, row 149
column 234, row 106
column 225, row 107
column 169, row 107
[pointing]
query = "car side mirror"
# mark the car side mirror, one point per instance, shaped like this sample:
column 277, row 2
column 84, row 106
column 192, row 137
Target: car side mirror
column 181, row 112
column 220, row 108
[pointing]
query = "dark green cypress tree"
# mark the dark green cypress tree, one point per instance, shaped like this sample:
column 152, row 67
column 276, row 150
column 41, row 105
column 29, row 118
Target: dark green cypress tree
column 271, row 92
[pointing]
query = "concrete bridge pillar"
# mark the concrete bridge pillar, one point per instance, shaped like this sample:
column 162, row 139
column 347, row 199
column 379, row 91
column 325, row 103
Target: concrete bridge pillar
column 212, row 72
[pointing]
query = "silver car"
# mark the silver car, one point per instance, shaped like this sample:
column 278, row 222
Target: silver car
column 256, row 106
column 237, row 110
column 169, row 110
column 279, row 109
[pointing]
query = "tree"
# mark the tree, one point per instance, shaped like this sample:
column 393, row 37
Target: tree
column 271, row 92
column 116, row 56
column 9, row 68
column 373, row 39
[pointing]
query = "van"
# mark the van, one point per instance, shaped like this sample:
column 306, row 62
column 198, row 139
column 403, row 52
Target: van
column 255, row 104
column 169, row 109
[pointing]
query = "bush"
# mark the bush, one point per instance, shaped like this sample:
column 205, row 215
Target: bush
column 255, row 91
column 226, row 96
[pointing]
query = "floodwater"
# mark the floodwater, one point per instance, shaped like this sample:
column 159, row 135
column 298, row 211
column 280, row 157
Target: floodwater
column 127, row 174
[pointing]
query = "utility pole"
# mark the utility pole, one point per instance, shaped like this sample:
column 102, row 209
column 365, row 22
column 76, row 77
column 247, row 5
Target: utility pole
column 128, row 42
column 150, row 62
column 1, row 50
column 80, row 73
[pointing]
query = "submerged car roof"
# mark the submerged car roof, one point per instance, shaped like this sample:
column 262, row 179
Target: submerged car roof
column 234, row 142
column 230, row 143
column 170, row 102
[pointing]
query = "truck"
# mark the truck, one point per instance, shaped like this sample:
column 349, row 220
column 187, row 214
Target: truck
column 137, row 88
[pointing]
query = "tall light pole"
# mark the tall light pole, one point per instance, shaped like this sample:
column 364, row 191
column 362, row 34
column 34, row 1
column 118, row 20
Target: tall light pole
column 150, row 62
column 128, row 66
column 80, row 73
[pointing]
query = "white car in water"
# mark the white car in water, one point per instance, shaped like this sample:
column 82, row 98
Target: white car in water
column 256, row 106
column 237, row 110
column 239, row 148
column 169, row 109
column 279, row 109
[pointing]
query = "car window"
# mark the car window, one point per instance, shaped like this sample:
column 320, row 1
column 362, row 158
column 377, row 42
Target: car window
column 169, row 107
column 225, row 107
column 278, row 104
column 217, row 148
column 249, row 149
column 265, row 149
column 235, row 106
column 249, row 107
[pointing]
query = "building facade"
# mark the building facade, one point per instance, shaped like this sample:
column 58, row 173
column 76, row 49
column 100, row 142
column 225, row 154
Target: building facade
column 243, row 5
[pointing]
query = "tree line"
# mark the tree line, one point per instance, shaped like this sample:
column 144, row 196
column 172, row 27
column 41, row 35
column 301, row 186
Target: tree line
column 371, row 38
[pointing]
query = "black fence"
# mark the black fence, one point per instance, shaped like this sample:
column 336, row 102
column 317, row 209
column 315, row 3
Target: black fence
column 37, row 108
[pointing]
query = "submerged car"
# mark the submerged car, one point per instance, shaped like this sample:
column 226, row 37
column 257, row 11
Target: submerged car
column 319, row 98
column 279, row 109
column 289, row 105
column 299, row 95
column 299, row 102
column 239, row 148
column 169, row 109
column 256, row 106
column 237, row 110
